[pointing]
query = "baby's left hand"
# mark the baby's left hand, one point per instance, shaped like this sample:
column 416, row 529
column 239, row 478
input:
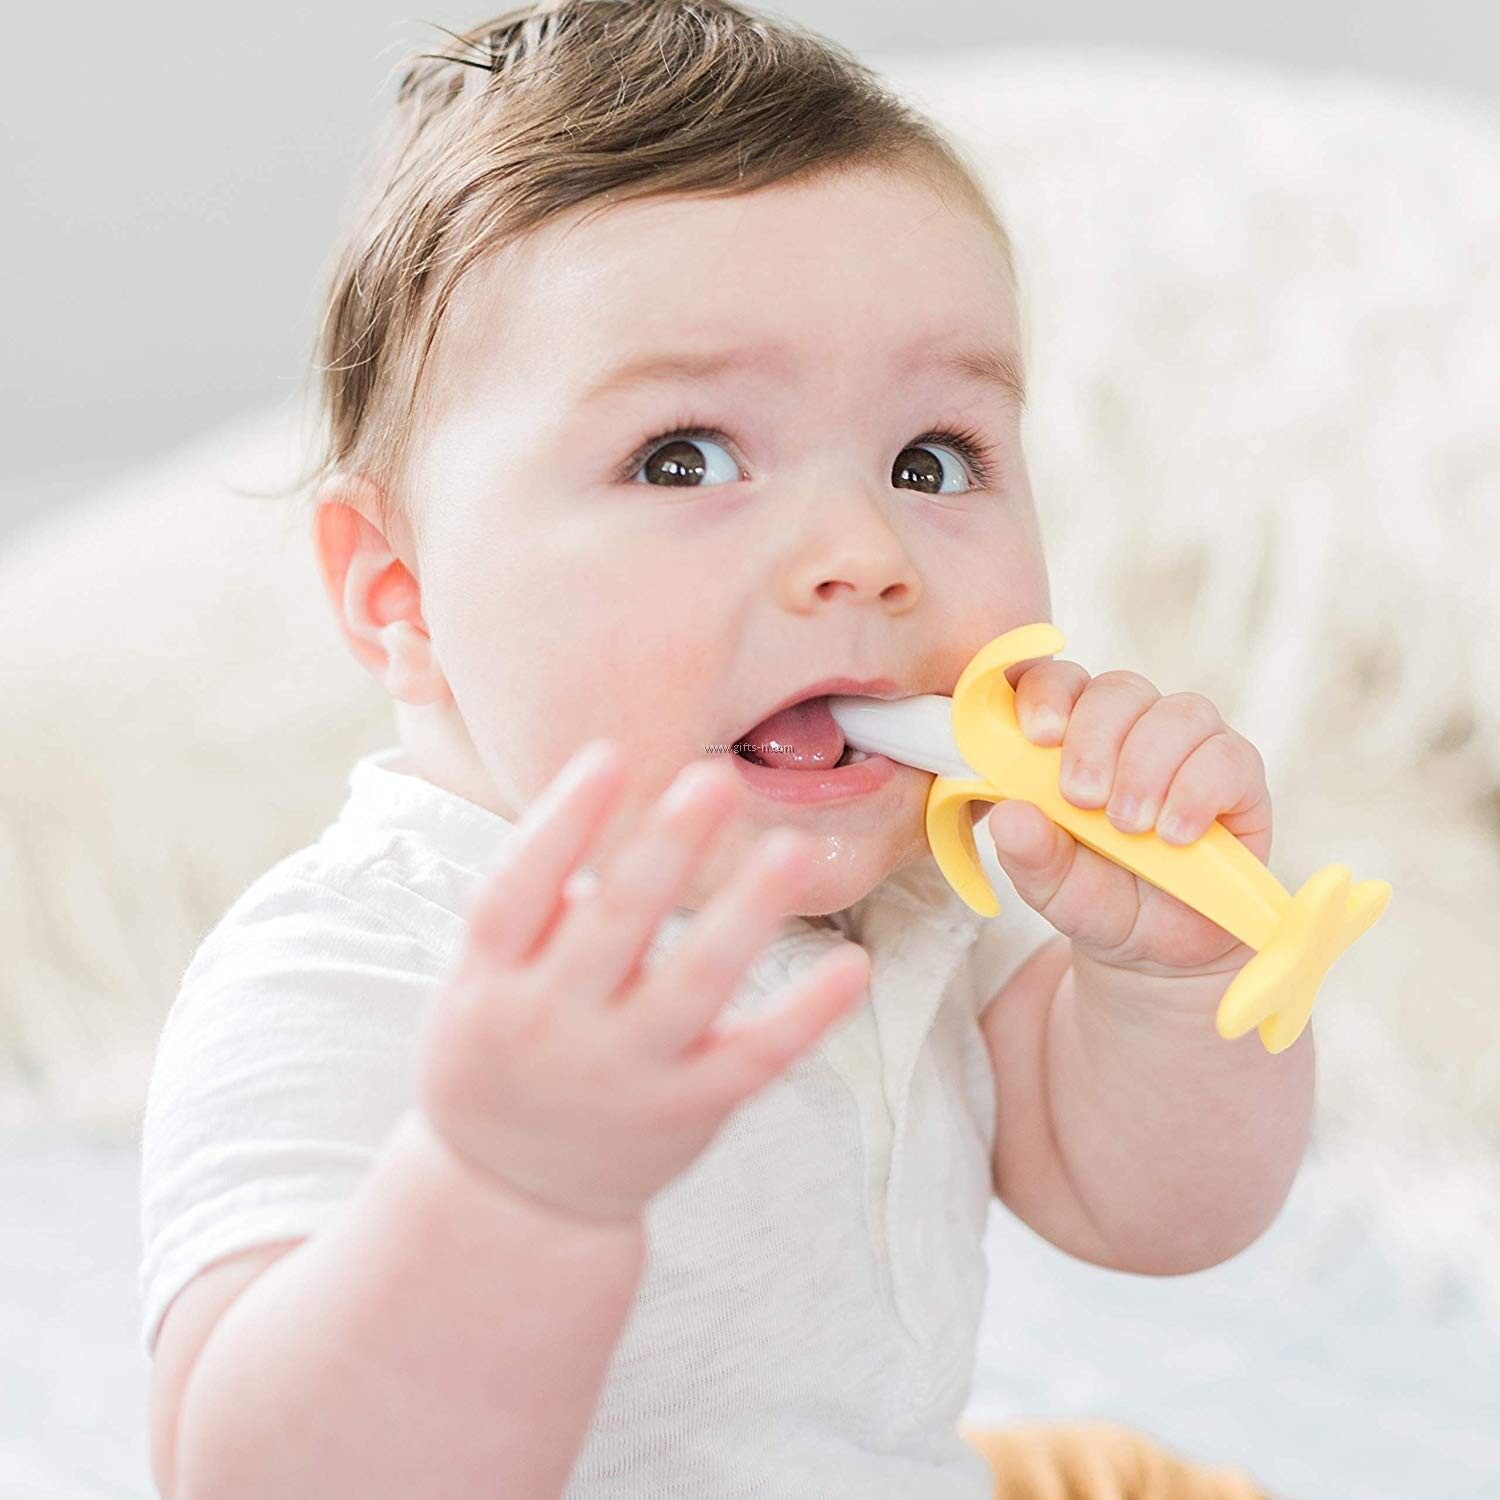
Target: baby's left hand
column 1171, row 762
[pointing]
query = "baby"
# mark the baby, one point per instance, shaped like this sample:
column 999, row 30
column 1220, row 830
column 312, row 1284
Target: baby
column 610, row 1101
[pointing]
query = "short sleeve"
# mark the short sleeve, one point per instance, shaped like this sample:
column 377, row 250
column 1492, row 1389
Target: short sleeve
column 1005, row 941
column 288, row 1056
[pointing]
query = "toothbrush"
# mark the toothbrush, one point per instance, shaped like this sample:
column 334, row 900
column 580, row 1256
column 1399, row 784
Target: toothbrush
column 973, row 744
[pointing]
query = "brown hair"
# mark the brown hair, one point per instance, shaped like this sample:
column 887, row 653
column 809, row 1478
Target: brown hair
column 567, row 102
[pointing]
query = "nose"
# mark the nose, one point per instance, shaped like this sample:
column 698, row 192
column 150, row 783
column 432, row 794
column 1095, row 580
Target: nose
column 851, row 553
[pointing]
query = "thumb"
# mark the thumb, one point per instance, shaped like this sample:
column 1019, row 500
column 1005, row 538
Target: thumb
column 1031, row 848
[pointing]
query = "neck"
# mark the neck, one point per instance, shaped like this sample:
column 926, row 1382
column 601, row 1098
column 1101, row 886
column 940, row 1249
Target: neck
column 438, row 748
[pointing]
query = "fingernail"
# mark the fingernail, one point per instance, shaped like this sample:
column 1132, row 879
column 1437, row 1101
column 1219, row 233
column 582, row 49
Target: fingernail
column 1083, row 783
column 1041, row 724
column 1126, row 813
column 589, row 758
column 1174, row 831
column 1007, row 841
column 686, row 784
column 781, row 844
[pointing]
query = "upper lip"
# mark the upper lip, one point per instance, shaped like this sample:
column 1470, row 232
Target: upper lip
column 865, row 687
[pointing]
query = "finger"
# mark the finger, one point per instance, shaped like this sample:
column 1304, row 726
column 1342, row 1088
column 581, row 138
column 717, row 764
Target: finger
column 1222, row 780
column 741, row 1053
column 519, row 896
column 704, row 969
column 1033, row 851
column 1045, row 695
column 599, row 943
column 1103, row 715
column 1071, row 885
column 1154, row 747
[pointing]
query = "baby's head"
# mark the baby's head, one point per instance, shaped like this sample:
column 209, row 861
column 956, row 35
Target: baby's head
column 672, row 366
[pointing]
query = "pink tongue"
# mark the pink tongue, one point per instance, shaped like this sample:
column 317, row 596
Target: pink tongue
column 801, row 738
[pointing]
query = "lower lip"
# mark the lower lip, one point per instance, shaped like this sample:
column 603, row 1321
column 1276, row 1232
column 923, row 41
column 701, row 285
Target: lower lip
column 837, row 784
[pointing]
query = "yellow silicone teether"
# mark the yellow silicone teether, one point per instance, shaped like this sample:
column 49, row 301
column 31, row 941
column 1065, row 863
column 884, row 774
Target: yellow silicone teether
column 1295, row 937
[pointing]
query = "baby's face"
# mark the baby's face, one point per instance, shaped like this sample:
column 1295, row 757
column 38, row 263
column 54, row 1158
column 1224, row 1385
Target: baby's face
column 585, row 572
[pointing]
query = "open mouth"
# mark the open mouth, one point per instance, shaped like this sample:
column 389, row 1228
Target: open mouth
column 850, row 757
column 797, row 755
column 804, row 737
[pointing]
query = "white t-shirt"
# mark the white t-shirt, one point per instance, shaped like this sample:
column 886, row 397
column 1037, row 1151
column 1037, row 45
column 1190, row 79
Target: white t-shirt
column 806, row 1320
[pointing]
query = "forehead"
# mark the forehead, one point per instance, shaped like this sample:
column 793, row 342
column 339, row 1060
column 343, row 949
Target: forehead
column 817, row 274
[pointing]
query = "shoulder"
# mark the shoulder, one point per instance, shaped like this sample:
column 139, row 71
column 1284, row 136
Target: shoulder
column 290, row 1050
column 329, row 954
column 380, row 898
column 355, row 887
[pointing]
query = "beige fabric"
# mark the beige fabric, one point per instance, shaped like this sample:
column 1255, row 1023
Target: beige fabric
column 1098, row 1461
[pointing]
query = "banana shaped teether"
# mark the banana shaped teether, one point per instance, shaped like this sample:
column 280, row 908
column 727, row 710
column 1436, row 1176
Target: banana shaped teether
column 975, row 746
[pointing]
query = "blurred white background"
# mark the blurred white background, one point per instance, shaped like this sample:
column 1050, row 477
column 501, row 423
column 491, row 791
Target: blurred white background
column 1259, row 263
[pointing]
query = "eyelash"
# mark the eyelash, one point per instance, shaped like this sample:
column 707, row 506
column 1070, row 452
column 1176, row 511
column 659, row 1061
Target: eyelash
column 967, row 442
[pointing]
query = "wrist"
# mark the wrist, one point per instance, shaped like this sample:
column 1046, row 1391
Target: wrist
column 454, row 1173
column 1191, row 995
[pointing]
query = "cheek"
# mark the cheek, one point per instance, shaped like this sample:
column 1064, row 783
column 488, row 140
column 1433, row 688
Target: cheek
column 952, row 525
column 578, row 642
column 994, row 580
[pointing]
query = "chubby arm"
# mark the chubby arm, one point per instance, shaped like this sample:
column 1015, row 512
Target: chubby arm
column 1128, row 1132
column 1030, row 1172
column 444, row 1337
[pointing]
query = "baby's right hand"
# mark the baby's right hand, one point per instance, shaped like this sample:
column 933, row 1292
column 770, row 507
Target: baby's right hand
column 557, row 1065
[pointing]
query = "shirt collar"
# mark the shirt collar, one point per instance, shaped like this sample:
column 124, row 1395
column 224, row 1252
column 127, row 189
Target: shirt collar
column 385, row 790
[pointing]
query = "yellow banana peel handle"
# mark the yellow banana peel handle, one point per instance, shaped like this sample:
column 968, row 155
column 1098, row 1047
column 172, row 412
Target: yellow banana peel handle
column 1295, row 937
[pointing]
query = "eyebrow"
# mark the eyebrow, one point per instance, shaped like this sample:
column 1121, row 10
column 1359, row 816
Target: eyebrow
column 998, row 367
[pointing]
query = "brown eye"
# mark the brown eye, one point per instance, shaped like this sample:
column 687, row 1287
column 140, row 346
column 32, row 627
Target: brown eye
column 919, row 468
column 686, row 461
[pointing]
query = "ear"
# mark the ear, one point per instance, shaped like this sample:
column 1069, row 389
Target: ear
column 376, row 599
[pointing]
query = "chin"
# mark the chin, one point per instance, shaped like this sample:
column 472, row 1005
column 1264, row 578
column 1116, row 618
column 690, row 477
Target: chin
column 839, row 889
